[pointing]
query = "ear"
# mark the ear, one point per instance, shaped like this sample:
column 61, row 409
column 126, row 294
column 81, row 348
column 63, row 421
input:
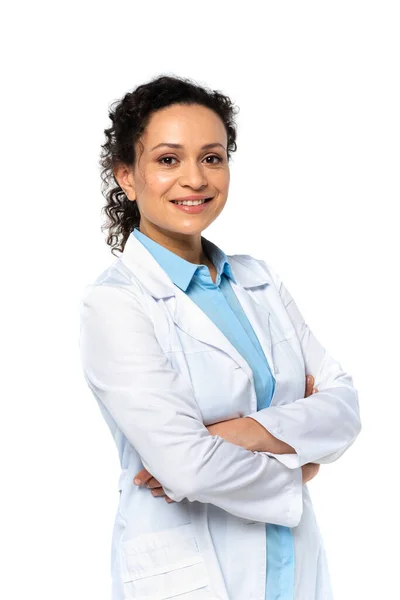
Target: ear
column 125, row 179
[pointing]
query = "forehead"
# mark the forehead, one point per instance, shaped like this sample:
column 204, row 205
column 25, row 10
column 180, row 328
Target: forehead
column 189, row 125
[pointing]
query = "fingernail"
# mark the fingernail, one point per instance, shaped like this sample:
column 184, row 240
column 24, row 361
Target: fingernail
column 137, row 481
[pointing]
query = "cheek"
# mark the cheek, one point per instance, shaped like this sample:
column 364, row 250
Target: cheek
column 221, row 180
column 155, row 187
column 161, row 180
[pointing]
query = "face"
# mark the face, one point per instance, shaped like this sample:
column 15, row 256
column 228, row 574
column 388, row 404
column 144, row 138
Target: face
column 163, row 173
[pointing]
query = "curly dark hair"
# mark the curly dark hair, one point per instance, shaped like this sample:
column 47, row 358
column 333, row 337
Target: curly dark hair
column 130, row 117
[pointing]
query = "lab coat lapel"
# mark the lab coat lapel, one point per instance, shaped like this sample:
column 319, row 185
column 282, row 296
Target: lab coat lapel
column 193, row 321
column 260, row 319
column 188, row 316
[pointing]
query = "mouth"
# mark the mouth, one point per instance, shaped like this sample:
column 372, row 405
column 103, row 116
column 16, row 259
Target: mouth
column 194, row 207
column 192, row 202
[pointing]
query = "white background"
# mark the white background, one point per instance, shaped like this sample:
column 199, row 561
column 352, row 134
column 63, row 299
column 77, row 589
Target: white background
column 314, row 192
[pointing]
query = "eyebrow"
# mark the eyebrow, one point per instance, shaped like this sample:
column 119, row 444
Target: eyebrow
column 170, row 145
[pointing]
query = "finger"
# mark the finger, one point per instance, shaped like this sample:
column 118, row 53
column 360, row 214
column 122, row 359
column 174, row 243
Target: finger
column 309, row 385
column 142, row 477
column 314, row 391
column 153, row 483
column 160, row 492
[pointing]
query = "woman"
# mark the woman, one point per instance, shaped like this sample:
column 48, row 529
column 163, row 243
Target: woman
column 198, row 361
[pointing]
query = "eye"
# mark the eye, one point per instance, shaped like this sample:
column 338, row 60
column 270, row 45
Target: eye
column 214, row 156
column 165, row 158
column 160, row 160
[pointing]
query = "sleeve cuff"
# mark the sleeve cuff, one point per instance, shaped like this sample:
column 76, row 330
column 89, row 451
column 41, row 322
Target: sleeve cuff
column 295, row 509
column 272, row 423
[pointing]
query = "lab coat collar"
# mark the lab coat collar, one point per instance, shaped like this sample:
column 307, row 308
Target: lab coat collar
column 181, row 271
column 153, row 277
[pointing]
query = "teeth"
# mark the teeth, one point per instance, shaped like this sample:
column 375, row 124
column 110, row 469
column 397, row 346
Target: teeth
column 190, row 202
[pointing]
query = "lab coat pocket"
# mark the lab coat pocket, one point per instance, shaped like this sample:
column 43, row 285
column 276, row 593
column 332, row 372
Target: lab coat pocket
column 165, row 564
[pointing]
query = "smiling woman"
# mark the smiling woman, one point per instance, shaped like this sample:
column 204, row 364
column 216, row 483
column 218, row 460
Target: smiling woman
column 170, row 164
column 198, row 362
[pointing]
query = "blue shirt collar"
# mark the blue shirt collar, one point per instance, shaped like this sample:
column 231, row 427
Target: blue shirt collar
column 181, row 271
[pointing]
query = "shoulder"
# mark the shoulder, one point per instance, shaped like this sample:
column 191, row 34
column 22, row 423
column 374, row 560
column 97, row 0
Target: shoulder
column 114, row 283
column 258, row 266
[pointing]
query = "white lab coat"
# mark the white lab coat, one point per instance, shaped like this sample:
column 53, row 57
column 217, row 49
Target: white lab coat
column 161, row 371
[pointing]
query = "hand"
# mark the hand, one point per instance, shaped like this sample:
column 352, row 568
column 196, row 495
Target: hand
column 310, row 389
column 151, row 482
column 309, row 471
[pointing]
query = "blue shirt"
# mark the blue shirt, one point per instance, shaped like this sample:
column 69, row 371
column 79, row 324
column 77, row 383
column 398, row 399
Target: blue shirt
column 220, row 303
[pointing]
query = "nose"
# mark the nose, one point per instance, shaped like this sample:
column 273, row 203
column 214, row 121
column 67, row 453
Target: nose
column 193, row 175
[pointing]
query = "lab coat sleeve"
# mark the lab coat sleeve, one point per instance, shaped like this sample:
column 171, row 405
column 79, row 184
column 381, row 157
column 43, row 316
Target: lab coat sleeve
column 324, row 425
column 154, row 406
